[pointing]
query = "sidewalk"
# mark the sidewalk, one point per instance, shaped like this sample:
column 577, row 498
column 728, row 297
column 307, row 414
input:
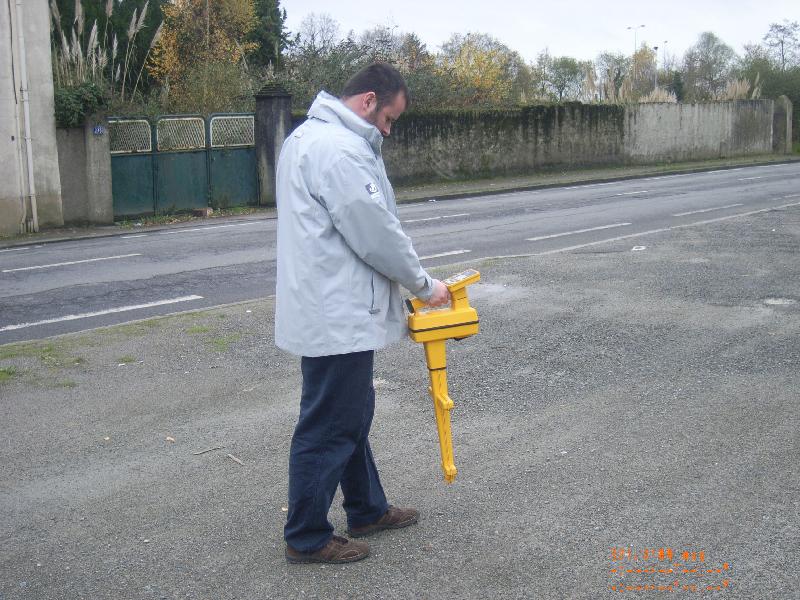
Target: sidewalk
column 614, row 404
column 418, row 193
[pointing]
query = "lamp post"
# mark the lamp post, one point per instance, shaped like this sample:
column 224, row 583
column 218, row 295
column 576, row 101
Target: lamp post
column 635, row 46
column 655, row 68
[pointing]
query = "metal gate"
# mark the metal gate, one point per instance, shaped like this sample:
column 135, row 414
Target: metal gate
column 181, row 162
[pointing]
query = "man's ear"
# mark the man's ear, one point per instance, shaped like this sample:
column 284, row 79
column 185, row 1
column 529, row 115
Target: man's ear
column 370, row 99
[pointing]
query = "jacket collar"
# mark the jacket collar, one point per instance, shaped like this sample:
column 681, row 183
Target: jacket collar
column 330, row 109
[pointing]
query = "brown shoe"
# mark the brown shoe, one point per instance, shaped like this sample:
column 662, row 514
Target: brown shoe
column 394, row 518
column 338, row 550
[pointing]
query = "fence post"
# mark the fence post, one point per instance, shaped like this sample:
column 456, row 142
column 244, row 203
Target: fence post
column 273, row 122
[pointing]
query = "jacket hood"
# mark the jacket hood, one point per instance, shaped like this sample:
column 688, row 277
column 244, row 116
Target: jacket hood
column 330, row 109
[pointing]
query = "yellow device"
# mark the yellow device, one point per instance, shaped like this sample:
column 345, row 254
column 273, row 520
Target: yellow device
column 432, row 327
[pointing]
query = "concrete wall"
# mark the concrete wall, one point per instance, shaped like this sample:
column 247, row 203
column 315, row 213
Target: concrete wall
column 84, row 160
column 454, row 145
column 782, row 126
column 680, row 132
column 13, row 165
column 451, row 145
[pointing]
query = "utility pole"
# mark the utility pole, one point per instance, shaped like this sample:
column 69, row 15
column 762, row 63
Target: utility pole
column 635, row 46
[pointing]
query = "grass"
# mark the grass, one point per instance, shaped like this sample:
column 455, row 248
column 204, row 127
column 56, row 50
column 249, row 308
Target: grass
column 222, row 344
column 195, row 329
column 51, row 355
column 7, row 373
column 126, row 359
column 796, row 148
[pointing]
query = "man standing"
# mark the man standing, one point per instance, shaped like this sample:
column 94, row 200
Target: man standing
column 341, row 255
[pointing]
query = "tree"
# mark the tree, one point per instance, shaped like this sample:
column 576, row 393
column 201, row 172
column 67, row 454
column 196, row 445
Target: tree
column 613, row 68
column 566, row 76
column 707, row 67
column 784, row 41
column 318, row 58
column 200, row 39
column 481, row 69
column 268, row 34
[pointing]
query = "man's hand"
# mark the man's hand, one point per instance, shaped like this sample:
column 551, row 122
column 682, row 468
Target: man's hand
column 441, row 295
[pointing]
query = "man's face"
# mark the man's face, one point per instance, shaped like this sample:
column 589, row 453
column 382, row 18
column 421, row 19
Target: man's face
column 384, row 117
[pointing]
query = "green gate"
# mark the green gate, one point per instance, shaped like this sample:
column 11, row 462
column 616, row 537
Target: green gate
column 181, row 163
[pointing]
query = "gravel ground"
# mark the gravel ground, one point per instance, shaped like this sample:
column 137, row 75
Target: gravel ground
column 615, row 403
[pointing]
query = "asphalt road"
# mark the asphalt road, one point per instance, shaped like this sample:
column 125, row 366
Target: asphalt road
column 626, row 417
column 72, row 286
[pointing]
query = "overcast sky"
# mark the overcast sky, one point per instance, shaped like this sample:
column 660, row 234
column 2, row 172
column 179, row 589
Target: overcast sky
column 577, row 28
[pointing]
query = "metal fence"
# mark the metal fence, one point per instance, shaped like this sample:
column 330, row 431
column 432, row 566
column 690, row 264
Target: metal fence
column 182, row 162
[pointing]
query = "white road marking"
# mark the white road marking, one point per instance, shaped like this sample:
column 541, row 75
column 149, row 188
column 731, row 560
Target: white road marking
column 16, row 249
column 749, row 178
column 702, row 210
column 632, row 193
column 72, row 262
column 101, row 312
column 451, row 253
column 437, row 218
column 130, row 237
column 189, row 230
column 643, row 233
column 555, row 235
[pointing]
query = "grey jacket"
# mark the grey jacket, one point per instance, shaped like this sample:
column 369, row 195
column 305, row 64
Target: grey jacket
column 341, row 249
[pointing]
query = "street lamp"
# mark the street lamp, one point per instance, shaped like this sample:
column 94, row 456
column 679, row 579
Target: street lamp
column 635, row 46
column 655, row 68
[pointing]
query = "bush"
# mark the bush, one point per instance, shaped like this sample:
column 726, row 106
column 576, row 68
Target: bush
column 74, row 104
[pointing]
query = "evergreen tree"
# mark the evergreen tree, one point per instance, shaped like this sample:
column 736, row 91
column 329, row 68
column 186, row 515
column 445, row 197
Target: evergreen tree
column 269, row 34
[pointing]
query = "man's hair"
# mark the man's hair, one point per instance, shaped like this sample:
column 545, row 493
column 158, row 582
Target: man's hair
column 380, row 78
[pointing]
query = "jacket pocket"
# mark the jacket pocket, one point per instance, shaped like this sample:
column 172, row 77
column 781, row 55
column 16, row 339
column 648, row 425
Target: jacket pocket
column 379, row 301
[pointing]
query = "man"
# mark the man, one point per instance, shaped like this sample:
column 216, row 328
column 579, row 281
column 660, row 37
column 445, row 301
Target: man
column 341, row 255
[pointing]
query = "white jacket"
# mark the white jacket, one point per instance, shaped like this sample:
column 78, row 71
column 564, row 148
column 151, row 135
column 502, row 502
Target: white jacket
column 341, row 249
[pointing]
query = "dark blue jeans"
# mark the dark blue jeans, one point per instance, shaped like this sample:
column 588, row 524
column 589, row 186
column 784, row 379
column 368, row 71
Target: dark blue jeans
column 330, row 448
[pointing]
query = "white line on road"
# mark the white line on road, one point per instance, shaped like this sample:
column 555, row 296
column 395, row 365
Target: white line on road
column 437, row 218
column 702, row 210
column 643, row 233
column 188, row 230
column 633, row 193
column 101, row 312
column 130, row 237
column 749, row 178
column 451, row 253
column 15, row 249
column 555, row 235
column 72, row 262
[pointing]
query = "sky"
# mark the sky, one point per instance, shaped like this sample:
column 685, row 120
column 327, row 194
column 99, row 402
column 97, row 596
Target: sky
column 578, row 28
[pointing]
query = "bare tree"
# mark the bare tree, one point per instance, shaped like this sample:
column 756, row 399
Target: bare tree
column 784, row 43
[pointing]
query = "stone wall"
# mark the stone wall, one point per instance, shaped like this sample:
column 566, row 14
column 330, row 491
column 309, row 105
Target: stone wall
column 681, row 132
column 457, row 145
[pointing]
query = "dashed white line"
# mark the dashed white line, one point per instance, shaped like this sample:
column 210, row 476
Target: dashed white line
column 703, row 210
column 633, row 193
column 101, row 312
column 72, row 262
column 651, row 231
column 555, row 235
column 130, row 237
column 451, row 253
column 189, row 230
column 436, row 218
column 750, row 178
column 15, row 249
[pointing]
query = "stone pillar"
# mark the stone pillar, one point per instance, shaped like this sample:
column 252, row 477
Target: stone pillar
column 782, row 126
column 98, row 171
column 273, row 123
